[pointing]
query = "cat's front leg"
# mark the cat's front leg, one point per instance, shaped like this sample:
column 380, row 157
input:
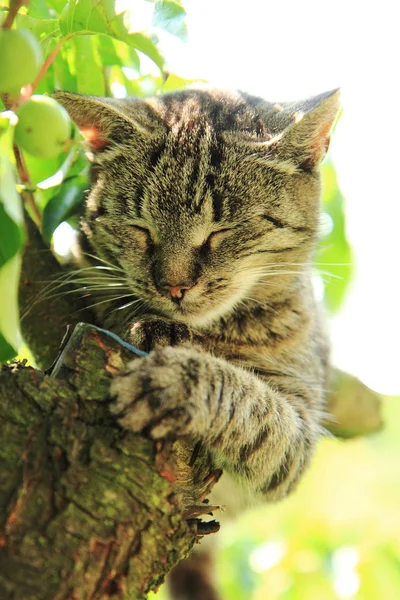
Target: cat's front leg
column 161, row 394
column 256, row 431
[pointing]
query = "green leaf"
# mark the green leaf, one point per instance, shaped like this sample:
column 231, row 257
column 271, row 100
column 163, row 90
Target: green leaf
column 87, row 17
column 11, row 240
column 64, row 79
column 175, row 83
column 7, row 352
column 44, row 29
column 108, row 52
column 64, row 204
column 10, row 237
column 74, row 164
column 123, row 55
column 57, row 5
column 170, row 16
column 89, row 71
column 145, row 44
column 39, row 9
column 8, row 193
column 10, row 337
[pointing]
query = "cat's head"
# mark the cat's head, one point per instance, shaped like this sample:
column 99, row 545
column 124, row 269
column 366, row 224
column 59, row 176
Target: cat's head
column 204, row 199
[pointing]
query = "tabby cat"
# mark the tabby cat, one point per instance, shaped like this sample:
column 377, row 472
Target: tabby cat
column 204, row 208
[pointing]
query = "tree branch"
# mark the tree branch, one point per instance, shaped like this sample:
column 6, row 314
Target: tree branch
column 15, row 5
column 353, row 408
column 87, row 510
column 44, row 322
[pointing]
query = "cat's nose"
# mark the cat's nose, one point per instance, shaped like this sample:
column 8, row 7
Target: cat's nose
column 176, row 290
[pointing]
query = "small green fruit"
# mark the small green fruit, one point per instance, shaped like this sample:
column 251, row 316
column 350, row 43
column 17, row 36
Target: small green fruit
column 43, row 127
column 21, row 57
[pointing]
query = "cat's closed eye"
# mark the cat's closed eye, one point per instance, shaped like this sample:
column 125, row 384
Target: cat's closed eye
column 216, row 237
column 143, row 233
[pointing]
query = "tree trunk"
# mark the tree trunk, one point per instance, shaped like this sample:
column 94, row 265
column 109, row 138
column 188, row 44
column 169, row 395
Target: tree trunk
column 88, row 510
column 46, row 316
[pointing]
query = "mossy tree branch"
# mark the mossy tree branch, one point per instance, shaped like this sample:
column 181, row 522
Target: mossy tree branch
column 88, row 510
column 44, row 321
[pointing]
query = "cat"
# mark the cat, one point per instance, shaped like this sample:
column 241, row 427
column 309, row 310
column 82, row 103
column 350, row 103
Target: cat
column 204, row 211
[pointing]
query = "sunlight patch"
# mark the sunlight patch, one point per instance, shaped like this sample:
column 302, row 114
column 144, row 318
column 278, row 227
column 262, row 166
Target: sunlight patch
column 267, row 556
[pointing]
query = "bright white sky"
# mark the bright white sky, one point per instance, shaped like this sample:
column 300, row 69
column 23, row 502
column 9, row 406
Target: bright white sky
column 285, row 50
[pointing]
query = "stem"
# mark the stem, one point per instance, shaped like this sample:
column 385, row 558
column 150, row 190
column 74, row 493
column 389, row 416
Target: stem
column 48, row 62
column 12, row 13
column 27, row 195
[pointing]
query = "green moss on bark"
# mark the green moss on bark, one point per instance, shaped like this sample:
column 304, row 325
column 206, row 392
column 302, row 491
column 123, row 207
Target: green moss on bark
column 84, row 511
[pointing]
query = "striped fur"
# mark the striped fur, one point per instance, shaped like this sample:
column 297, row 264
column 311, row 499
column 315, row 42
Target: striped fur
column 217, row 191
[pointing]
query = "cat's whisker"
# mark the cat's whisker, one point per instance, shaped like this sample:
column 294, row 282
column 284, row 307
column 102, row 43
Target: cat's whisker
column 277, row 269
column 90, row 283
column 85, row 292
column 260, row 271
column 326, row 274
column 307, row 264
column 263, row 270
column 107, row 300
column 263, row 275
column 127, row 305
column 74, row 276
column 97, row 281
column 101, row 268
column 132, row 314
column 104, row 261
column 84, row 281
column 271, row 272
column 51, row 293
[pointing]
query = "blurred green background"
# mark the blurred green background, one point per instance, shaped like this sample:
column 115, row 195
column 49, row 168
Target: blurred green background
column 338, row 535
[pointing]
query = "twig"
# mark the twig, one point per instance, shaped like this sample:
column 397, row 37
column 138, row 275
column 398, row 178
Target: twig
column 27, row 195
column 12, row 13
column 48, row 62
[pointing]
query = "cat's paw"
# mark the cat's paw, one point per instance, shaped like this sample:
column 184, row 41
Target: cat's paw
column 149, row 333
column 155, row 394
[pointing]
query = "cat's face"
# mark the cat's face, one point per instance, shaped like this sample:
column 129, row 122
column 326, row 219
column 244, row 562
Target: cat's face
column 204, row 200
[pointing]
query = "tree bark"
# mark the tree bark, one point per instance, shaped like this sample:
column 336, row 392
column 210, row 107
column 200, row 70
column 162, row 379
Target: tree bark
column 88, row 510
column 44, row 321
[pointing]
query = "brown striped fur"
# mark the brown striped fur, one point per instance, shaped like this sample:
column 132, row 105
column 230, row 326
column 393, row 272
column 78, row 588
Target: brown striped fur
column 218, row 191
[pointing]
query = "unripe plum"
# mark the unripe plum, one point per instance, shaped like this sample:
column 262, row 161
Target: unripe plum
column 21, row 57
column 43, row 127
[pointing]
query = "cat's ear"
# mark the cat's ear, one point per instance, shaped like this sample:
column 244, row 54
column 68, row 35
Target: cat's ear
column 104, row 122
column 97, row 118
column 306, row 139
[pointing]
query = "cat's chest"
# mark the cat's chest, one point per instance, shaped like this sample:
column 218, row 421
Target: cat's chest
column 263, row 332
